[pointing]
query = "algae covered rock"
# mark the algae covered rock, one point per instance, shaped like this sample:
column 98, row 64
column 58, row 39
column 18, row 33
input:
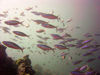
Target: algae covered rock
column 24, row 66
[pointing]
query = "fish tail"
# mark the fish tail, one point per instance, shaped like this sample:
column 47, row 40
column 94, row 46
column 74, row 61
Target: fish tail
column 22, row 23
column 22, row 49
column 58, row 19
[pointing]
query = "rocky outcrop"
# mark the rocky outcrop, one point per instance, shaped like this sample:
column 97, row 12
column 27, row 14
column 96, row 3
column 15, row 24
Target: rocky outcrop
column 7, row 66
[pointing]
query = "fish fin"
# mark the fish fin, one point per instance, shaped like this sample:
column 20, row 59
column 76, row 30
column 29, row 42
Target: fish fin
column 58, row 19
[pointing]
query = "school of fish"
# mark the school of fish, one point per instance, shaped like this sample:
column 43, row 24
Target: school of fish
column 64, row 40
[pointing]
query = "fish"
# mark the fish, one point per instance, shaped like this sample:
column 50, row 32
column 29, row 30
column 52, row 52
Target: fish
column 77, row 73
column 88, row 53
column 56, row 36
column 63, row 42
column 66, row 35
column 90, row 73
column 77, row 69
column 93, row 50
column 91, row 59
column 13, row 22
column 40, row 31
column 3, row 15
column 88, row 35
column 71, row 39
column 44, row 47
column 61, row 29
column 46, row 25
column 82, row 43
column 5, row 29
column 87, row 41
column 97, row 34
column 30, row 8
column 79, row 45
column 40, row 22
column 77, row 62
column 60, row 47
column 36, row 13
column 41, row 42
column 50, row 16
column 45, row 38
column 83, row 68
column 69, row 20
column 39, row 36
column 12, row 45
column 71, row 45
column 86, row 46
column 19, row 33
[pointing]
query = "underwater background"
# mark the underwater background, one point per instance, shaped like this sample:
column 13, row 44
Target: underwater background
column 77, row 18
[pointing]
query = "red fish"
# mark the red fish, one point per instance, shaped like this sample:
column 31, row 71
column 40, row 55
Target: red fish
column 56, row 36
column 41, row 42
column 77, row 62
column 50, row 16
column 76, row 73
column 90, row 60
column 30, row 8
column 40, row 21
column 69, row 20
column 40, row 31
column 61, row 29
column 3, row 15
column 12, row 45
column 61, row 47
column 46, row 25
column 44, row 47
column 86, row 54
column 66, row 35
column 13, row 22
column 5, row 29
column 45, row 38
column 20, row 33
column 36, row 13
